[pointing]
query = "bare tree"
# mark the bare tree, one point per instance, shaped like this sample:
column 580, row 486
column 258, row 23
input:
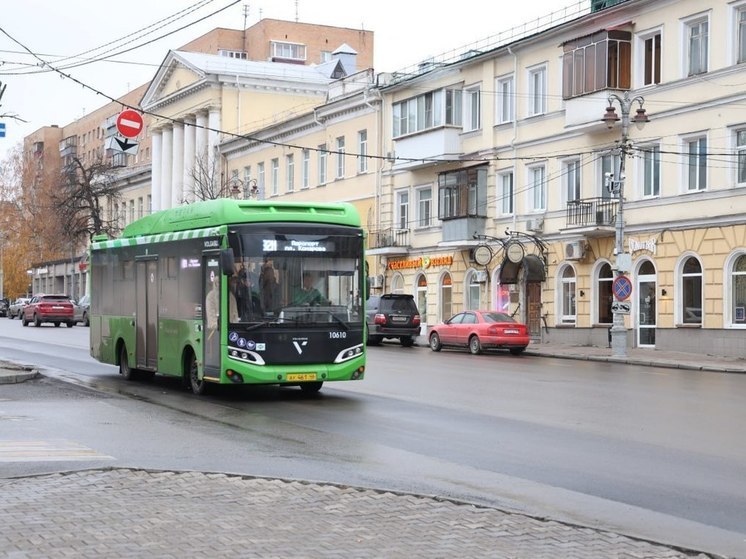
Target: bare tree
column 209, row 182
column 82, row 198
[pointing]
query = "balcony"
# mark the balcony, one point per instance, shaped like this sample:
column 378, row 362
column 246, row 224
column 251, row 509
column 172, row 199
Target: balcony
column 430, row 145
column 389, row 242
column 463, row 229
column 592, row 217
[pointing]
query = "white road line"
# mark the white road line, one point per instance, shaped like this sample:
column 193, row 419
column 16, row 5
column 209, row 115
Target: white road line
column 47, row 451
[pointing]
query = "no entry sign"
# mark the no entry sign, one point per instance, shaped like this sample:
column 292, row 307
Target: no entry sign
column 129, row 123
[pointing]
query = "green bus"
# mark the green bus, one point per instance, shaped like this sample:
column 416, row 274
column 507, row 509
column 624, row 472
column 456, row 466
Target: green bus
column 233, row 292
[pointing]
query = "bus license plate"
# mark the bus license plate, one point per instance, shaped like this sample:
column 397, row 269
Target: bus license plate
column 301, row 376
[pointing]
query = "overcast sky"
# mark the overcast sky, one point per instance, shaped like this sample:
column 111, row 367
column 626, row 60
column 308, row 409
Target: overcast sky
column 406, row 32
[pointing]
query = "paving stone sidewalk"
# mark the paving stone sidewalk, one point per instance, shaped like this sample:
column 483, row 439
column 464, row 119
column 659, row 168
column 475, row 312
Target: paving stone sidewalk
column 136, row 513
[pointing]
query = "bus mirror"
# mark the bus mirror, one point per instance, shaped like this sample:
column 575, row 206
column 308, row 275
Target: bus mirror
column 227, row 262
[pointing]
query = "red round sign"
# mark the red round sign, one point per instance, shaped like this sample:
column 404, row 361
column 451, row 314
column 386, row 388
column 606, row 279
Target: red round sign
column 129, row 123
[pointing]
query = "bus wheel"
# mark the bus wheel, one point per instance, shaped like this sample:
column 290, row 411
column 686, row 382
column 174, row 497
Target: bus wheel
column 199, row 386
column 127, row 372
column 311, row 387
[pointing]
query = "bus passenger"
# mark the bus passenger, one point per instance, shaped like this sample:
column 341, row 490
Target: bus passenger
column 268, row 286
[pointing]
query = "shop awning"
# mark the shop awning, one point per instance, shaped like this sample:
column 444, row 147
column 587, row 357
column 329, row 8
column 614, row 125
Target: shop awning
column 532, row 265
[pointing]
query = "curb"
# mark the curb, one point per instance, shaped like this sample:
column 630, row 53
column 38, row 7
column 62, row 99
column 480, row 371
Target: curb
column 10, row 374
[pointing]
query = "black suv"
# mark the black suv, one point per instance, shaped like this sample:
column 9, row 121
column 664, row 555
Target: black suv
column 392, row 316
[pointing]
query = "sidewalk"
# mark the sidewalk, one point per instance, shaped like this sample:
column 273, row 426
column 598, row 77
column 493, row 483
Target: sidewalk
column 131, row 512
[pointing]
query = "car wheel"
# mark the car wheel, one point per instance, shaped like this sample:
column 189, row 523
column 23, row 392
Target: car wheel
column 24, row 321
column 86, row 322
column 475, row 346
column 127, row 372
column 517, row 350
column 311, row 387
column 37, row 322
column 199, row 386
column 435, row 344
column 56, row 324
column 407, row 341
column 70, row 323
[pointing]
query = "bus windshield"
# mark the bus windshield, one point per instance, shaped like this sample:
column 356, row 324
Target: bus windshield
column 293, row 274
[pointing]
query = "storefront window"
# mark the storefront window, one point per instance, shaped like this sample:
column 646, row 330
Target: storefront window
column 446, row 308
column 567, row 295
column 605, row 296
column 473, row 292
column 739, row 290
column 422, row 297
column 397, row 284
column 691, row 292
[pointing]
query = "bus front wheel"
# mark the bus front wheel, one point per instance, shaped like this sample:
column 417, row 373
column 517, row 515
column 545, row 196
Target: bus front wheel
column 198, row 385
column 311, row 387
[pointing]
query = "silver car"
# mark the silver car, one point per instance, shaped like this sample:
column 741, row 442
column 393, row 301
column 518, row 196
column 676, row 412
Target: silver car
column 81, row 310
column 15, row 309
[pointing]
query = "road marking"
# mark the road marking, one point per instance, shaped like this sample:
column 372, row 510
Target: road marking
column 47, row 451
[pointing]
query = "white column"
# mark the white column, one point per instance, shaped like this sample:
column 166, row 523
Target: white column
column 213, row 122
column 189, row 144
column 167, row 149
column 155, row 170
column 177, row 171
column 202, row 163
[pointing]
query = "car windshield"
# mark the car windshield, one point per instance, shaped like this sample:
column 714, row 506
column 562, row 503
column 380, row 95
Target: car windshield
column 497, row 317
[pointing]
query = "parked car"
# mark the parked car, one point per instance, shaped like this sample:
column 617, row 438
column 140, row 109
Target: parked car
column 478, row 330
column 15, row 308
column 81, row 309
column 4, row 304
column 49, row 308
column 392, row 315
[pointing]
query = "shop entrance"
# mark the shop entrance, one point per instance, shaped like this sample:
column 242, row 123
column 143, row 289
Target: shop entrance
column 533, row 309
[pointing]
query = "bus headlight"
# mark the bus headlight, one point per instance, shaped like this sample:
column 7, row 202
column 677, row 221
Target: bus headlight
column 349, row 353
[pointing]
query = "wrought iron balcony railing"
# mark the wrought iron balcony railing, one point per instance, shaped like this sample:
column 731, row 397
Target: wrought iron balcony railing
column 591, row 212
column 390, row 237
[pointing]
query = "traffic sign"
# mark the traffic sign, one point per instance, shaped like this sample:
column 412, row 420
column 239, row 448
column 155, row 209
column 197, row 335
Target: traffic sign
column 129, row 123
column 621, row 307
column 2, row 130
column 622, row 288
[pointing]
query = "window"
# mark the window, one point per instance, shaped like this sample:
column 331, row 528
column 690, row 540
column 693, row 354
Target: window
column 150, row 204
column 290, row 172
column 323, row 155
column 572, row 180
column 741, row 150
column 596, row 62
column 362, row 150
column 340, row 157
column 472, row 117
column 537, row 91
column 424, row 206
column 741, row 34
column 260, row 179
column 247, row 180
column 738, row 290
column 325, row 56
column 697, row 35
column 651, row 165
column 605, row 294
column 429, row 110
column 462, row 193
column 505, row 193
column 234, row 186
column 446, row 290
column 233, row 54
column 696, row 164
column 505, row 109
column 132, row 211
column 537, row 189
column 275, row 176
column 567, row 296
column 652, row 62
column 288, row 51
column 305, row 168
column 140, row 207
column 610, row 163
column 473, row 292
column 691, row 291
column 402, row 209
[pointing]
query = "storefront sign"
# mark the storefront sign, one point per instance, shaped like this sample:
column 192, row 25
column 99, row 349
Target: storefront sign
column 422, row 262
column 635, row 245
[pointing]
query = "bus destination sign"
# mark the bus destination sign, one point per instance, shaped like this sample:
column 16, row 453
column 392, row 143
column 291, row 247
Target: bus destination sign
column 274, row 245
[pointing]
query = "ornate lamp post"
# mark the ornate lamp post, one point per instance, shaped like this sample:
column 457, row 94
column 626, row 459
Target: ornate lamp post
column 616, row 184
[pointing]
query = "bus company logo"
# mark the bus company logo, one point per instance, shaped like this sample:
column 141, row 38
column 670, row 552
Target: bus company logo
column 299, row 344
column 261, row 346
column 233, row 337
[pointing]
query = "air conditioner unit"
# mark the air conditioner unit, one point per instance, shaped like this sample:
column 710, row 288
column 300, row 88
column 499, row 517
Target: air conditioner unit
column 535, row 224
column 376, row 282
column 575, row 250
column 480, row 276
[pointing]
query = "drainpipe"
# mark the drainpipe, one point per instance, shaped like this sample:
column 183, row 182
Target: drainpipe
column 515, row 134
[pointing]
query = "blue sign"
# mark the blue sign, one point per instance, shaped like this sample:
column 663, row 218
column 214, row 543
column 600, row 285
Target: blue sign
column 2, row 130
column 622, row 288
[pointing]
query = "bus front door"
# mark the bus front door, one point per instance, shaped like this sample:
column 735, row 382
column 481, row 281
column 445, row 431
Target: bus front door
column 211, row 315
column 146, row 319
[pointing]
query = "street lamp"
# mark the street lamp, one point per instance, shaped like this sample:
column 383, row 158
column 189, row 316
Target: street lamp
column 623, row 260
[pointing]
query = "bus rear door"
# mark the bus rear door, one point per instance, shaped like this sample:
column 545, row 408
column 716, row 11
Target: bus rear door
column 146, row 319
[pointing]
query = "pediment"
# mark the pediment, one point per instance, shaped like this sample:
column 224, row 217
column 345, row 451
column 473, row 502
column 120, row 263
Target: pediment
column 174, row 74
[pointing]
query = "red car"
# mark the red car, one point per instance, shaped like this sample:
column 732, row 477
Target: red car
column 49, row 308
column 480, row 330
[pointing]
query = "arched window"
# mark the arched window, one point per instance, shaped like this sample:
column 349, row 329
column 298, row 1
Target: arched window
column 446, row 290
column 691, row 291
column 567, row 296
column 397, row 283
column 421, row 297
column 738, row 280
column 473, row 291
column 605, row 294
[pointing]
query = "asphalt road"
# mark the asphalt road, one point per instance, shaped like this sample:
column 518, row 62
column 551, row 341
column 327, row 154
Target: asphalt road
column 649, row 452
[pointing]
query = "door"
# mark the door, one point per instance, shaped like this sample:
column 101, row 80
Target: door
column 146, row 314
column 422, row 302
column 533, row 306
column 211, row 314
column 646, row 305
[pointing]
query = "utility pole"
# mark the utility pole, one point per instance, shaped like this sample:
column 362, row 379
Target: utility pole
column 623, row 260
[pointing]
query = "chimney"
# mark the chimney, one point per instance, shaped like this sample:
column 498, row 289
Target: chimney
column 348, row 56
